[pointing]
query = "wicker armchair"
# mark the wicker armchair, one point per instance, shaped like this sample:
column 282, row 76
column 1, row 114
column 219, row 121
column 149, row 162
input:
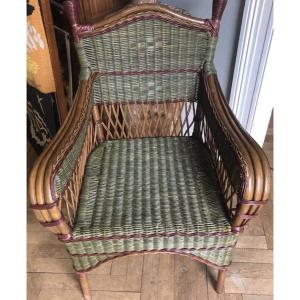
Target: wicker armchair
column 150, row 157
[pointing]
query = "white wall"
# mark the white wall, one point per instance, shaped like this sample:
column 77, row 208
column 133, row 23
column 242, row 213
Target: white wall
column 228, row 36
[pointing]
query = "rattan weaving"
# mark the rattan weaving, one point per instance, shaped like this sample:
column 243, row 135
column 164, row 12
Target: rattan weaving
column 150, row 194
column 151, row 158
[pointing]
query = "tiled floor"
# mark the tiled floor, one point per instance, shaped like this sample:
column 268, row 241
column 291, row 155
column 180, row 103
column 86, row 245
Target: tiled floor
column 156, row 276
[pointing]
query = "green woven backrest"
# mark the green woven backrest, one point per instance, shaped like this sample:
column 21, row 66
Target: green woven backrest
column 146, row 59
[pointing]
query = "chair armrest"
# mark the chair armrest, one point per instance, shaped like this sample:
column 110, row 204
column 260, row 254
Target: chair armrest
column 56, row 176
column 241, row 164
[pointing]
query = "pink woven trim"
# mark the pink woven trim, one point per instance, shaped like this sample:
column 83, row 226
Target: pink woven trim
column 125, row 73
column 237, row 229
column 78, row 30
column 146, row 102
column 64, row 237
column 154, row 250
column 215, row 24
column 254, row 202
column 53, row 223
column 120, row 237
column 43, row 206
column 70, row 10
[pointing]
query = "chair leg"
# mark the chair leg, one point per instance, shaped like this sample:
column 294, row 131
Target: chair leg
column 85, row 286
column 221, row 281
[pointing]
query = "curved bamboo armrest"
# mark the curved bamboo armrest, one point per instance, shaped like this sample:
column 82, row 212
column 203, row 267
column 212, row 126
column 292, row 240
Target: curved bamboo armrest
column 241, row 164
column 45, row 201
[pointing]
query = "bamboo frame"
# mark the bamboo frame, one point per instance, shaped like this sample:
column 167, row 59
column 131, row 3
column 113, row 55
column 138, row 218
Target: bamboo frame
column 46, row 206
column 220, row 281
column 85, row 286
column 254, row 179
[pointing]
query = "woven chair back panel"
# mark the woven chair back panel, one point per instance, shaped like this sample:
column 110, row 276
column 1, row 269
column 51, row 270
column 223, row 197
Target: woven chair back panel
column 129, row 120
column 146, row 60
column 153, row 87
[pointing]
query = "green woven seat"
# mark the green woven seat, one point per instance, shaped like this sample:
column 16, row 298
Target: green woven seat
column 150, row 194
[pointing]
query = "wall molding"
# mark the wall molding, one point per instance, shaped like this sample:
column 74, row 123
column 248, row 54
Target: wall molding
column 254, row 44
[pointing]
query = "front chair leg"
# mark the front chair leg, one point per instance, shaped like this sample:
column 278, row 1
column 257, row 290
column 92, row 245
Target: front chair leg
column 221, row 281
column 85, row 286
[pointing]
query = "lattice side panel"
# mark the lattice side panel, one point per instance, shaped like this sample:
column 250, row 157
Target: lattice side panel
column 68, row 201
column 203, row 131
column 134, row 120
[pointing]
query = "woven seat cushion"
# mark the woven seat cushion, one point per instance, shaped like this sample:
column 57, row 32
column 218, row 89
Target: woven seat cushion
column 149, row 194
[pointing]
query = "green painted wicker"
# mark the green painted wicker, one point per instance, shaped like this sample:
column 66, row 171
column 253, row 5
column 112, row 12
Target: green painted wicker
column 146, row 60
column 65, row 170
column 150, row 194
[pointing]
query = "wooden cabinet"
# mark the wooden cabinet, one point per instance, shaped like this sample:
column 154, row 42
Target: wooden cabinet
column 92, row 10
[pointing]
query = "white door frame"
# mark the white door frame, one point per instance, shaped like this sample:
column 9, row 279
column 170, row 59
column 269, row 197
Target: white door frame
column 247, row 101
